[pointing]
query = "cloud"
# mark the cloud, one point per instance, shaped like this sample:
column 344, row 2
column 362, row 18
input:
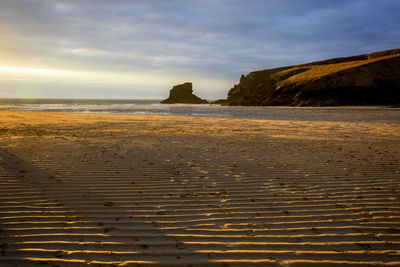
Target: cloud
column 200, row 39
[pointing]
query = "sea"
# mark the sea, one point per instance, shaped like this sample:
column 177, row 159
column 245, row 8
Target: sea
column 153, row 106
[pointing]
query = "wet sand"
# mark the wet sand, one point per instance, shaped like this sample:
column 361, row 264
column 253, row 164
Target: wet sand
column 80, row 189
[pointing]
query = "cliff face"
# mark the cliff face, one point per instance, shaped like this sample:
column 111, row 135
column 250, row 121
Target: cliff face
column 371, row 79
column 183, row 94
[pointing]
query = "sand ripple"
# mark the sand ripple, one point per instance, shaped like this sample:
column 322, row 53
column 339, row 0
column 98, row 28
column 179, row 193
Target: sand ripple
column 126, row 190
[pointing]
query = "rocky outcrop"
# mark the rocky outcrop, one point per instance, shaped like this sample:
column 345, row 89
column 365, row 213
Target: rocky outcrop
column 183, row 94
column 371, row 79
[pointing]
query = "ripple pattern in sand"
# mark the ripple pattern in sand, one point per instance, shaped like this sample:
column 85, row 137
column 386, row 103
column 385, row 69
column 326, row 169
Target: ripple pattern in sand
column 170, row 199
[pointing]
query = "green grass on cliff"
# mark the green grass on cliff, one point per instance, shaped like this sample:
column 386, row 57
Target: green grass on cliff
column 315, row 71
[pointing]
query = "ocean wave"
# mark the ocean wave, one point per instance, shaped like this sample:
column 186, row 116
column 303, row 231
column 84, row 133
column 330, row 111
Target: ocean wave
column 140, row 106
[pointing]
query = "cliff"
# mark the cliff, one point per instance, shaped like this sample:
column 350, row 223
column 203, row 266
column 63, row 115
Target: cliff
column 183, row 94
column 370, row 79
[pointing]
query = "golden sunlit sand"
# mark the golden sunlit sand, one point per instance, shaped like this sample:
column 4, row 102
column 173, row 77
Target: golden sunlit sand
column 80, row 189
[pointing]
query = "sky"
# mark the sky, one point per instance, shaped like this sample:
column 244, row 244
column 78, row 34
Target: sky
column 141, row 48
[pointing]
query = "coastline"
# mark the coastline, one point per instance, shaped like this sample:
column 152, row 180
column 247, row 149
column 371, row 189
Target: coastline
column 337, row 113
column 124, row 189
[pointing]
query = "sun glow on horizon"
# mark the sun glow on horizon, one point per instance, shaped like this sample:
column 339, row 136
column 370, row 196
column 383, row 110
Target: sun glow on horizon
column 79, row 76
column 101, row 77
column 30, row 70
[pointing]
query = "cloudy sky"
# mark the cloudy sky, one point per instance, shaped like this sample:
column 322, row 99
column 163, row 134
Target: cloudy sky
column 141, row 48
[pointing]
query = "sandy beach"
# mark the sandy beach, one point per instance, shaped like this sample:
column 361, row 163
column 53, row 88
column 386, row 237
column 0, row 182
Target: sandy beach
column 79, row 189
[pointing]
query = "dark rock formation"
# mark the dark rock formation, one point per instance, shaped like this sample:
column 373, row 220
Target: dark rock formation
column 183, row 94
column 371, row 79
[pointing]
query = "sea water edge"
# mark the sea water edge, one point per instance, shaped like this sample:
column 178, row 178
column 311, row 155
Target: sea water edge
column 153, row 106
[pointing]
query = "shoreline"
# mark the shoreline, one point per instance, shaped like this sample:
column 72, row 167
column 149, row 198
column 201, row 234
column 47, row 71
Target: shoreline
column 343, row 114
